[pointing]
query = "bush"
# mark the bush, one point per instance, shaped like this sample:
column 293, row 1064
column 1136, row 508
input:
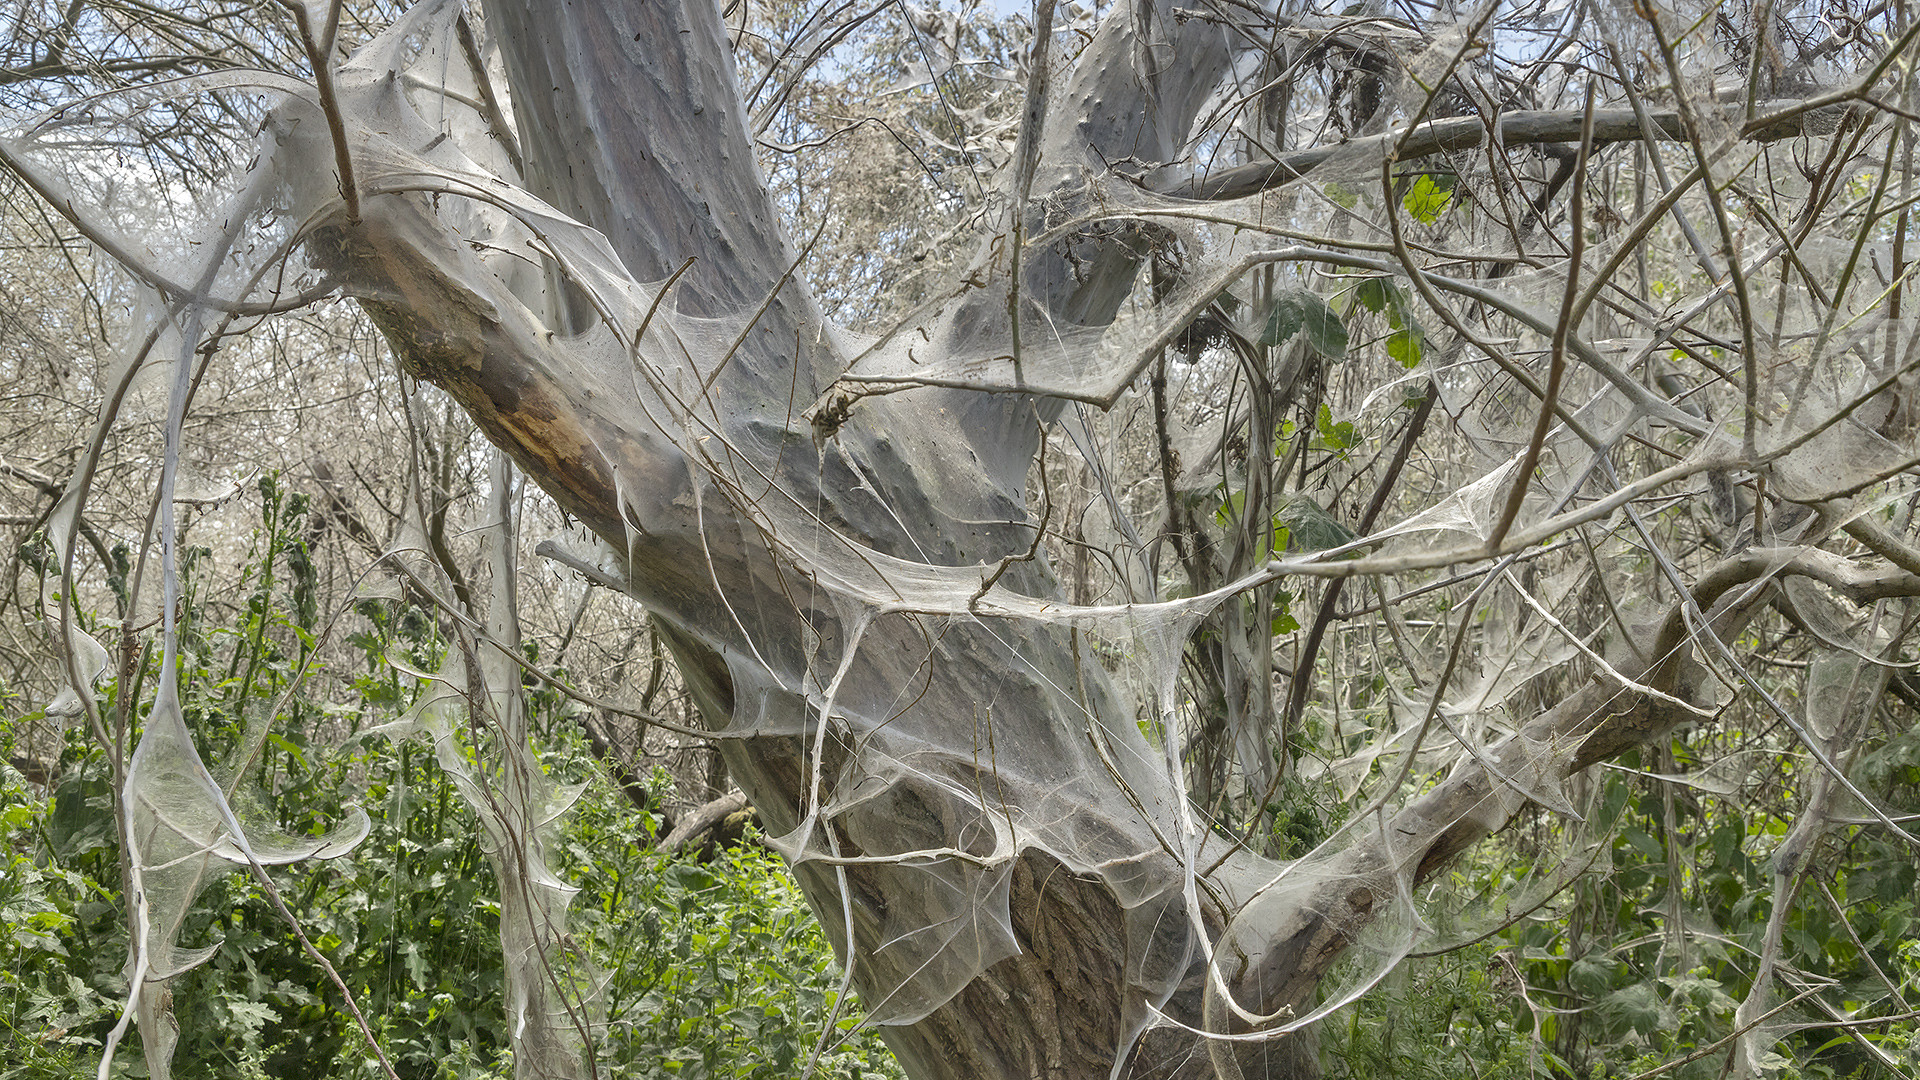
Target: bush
column 704, row 969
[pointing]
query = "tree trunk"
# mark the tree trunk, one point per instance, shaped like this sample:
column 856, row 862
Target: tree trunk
column 1050, row 917
column 963, row 782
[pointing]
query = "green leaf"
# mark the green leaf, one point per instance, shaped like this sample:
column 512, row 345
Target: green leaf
column 1378, row 294
column 1590, row 977
column 1325, row 332
column 1334, row 435
column 1645, row 844
column 288, row 746
column 1310, row 527
column 1407, row 344
column 1283, row 321
column 1230, row 508
column 82, row 818
column 1299, row 311
column 1429, row 197
column 1637, row 1006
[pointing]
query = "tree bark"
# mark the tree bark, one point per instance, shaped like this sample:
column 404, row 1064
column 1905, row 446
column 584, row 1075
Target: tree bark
column 632, row 126
column 1058, row 905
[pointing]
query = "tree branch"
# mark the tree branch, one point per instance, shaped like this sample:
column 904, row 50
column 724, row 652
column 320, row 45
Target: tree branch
column 1466, row 132
column 700, row 820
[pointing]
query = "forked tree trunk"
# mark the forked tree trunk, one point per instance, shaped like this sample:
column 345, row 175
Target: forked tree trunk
column 632, row 123
column 1058, row 917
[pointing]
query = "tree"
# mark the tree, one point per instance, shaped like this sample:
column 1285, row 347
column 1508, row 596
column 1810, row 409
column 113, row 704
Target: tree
column 1598, row 244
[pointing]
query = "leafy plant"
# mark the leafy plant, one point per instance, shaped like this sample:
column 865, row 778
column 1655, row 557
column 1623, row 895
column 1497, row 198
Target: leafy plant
column 706, row 969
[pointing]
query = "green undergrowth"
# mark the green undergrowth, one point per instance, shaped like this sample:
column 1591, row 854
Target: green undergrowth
column 1639, row 964
column 708, row 967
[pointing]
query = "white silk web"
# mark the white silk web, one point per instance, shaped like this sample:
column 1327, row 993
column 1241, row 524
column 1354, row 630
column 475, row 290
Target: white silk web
column 887, row 608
